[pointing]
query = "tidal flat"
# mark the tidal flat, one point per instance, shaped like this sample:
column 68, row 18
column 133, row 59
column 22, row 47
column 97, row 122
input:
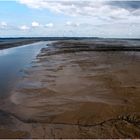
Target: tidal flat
column 77, row 89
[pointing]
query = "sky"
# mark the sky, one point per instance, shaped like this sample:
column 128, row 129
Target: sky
column 66, row 18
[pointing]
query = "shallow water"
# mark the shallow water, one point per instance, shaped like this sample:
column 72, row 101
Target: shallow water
column 13, row 61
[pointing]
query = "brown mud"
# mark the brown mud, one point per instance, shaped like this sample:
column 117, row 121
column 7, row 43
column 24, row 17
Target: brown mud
column 73, row 91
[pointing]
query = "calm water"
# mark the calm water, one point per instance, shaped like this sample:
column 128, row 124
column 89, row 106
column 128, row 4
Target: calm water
column 12, row 61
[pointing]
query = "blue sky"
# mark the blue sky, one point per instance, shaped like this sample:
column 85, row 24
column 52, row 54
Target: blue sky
column 102, row 18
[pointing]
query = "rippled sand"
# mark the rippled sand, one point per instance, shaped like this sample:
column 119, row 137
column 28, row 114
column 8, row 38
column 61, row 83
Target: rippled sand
column 72, row 91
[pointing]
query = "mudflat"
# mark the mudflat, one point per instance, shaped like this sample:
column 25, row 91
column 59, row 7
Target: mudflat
column 77, row 89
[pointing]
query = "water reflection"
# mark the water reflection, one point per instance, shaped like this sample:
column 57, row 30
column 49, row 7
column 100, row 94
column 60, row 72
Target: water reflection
column 12, row 61
column 6, row 51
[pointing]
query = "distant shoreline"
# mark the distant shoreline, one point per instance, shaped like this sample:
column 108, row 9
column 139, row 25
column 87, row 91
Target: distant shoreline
column 101, row 44
column 14, row 42
column 11, row 44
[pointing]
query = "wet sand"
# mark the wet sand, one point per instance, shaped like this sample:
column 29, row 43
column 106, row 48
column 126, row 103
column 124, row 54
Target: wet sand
column 77, row 90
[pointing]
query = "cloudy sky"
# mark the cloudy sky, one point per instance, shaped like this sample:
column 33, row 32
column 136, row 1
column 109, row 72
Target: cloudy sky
column 97, row 18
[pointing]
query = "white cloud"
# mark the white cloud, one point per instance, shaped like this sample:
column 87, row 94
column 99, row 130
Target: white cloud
column 92, row 8
column 49, row 25
column 32, row 3
column 69, row 23
column 88, row 12
column 24, row 27
column 35, row 24
column 3, row 24
column 90, row 17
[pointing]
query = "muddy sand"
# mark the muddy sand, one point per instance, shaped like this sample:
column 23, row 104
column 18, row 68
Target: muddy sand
column 75, row 90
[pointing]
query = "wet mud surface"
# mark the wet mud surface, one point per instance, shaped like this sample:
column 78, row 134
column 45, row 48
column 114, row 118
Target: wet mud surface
column 73, row 91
